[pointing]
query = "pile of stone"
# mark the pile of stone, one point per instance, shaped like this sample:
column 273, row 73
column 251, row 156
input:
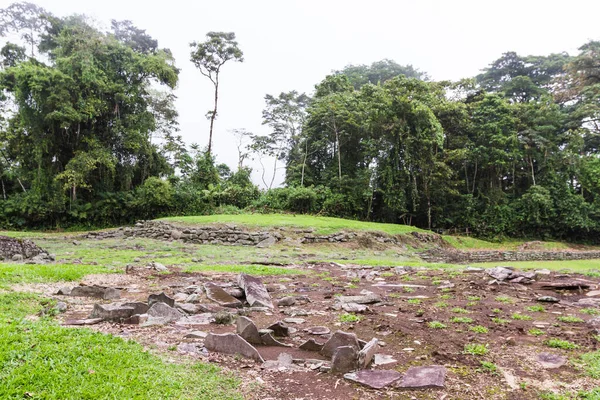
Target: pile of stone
column 23, row 250
column 508, row 274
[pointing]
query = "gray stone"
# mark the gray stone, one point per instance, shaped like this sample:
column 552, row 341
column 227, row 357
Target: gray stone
column 548, row 299
column 279, row 329
column 193, row 298
column 190, row 348
column 344, row 360
column 138, row 307
column 153, row 321
column 311, row 345
column 176, row 234
column 180, row 297
column 340, row 339
column 64, row 291
column 383, row 359
column 113, row 311
column 196, row 335
column 18, row 257
column 196, row 320
column 268, row 242
column 499, row 273
column 567, row 285
column 162, row 310
column 318, row 330
column 268, row 340
column 220, row 296
column 158, row 266
column 473, row 270
column 424, row 377
column 593, row 293
column 445, row 285
column 367, row 299
column 230, row 343
column 284, row 362
column 551, row 361
column 246, row 328
column 286, row 301
column 366, row 354
column 236, row 292
column 188, row 308
column 355, row 308
column 294, row 320
column 99, row 292
column 88, row 321
column 61, row 306
column 595, row 324
column 542, row 272
column 256, row 293
column 137, row 319
column 374, row 379
column 161, row 298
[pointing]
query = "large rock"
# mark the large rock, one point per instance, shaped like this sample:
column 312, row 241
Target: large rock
column 268, row 242
column 344, row 360
column 367, row 299
column 220, row 296
column 248, row 330
column 355, row 308
column 138, row 307
column 424, row 377
column 499, row 273
column 340, row 339
column 256, row 293
column 567, row 285
column 365, row 356
column 551, row 361
column 99, row 292
column 163, row 311
column 268, row 340
column 230, row 343
column 374, row 379
column 279, row 329
column 113, row 311
column 161, row 298
column 311, row 345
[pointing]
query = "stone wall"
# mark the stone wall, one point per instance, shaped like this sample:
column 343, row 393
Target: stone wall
column 11, row 247
column 463, row 257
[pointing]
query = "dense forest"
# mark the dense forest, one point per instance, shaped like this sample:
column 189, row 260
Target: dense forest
column 89, row 137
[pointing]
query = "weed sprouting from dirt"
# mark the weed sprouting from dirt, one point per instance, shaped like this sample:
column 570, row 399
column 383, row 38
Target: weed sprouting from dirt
column 570, row 319
column 436, row 325
column 476, row 349
column 347, row 317
column 479, row 329
column 561, row 344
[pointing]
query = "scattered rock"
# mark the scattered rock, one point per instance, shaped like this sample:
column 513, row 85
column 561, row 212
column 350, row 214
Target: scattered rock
column 548, row 299
column 445, row 285
column 256, row 293
column 161, row 298
column 17, row 257
column 551, row 361
column 424, row 377
column 88, row 321
column 64, row 291
column 366, row 299
column 499, row 273
column 224, row 318
column 590, row 302
column 355, row 308
column 268, row 340
column 196, row 335
column 286, row 301
column 138, row 307
column 221, row 297
column 374, row 379
column 180, row 297
column 137, row 319
column 164, row 311
column 472, row 270
column 366, row 354
column 230, row 343
column 246, row 328
column 383, row 359
column 196, row 320
column 595, row 324
column 236, row 292
column 279, row 329
column 112, row 311
column 340, row 339
column 318, row 330
column 344, row 360
column 158, row 266
column 593, row 293
column 268, row 242
column 99, row 292
column 188, row 308
column 294, row 320
column 311, row 345
column 61, row 306
column 570, row 285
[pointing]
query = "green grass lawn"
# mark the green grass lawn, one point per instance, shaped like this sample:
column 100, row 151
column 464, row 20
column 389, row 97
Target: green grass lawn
column 323, row 225
column 41, row 360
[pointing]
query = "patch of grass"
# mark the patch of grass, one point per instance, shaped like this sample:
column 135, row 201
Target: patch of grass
column 414, row 301
column 590, row 311
column 408, row 290
column 263, row 270
column 561, row 344
column 348, row 318
column 504, row 299
column 570, row 319
column 459, row 310
column 441, row 304
column 521, row 317
column 436, row 282
column 536, row 308
column 461, row 320
column 351, row 286
column 488, row 367
column 479, row 329
column 591, row 364
column 535, row 332
column 34, row 273
column 475, row 349
column 473, row 298
column 322, row 225
column 436, row 325
column 387, row 274
column 394, row 295
column 497, row 311
column 446, row 297
column 500, row 321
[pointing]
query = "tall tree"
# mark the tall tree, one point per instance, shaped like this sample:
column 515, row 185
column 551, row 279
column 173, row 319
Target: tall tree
column 209, row 57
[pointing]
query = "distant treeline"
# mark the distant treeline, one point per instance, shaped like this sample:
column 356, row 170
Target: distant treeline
column 89, row 136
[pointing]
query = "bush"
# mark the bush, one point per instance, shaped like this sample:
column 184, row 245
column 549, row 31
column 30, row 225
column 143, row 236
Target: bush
column 302, row 200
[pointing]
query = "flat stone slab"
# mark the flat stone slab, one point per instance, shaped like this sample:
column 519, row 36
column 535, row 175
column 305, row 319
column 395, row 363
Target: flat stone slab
column 196, row 335
column 345, row 359
column 297, row 321
column 318, row 330
column 268, row 340
column 279, row 329
column 220, row 296
column 196, row 320
column 311, row 345
column 340, row 339
column 367, row 299
column 112, row 311
column 399, row 285
column 569, row 285
column 230, row 343
column 138, row 307
column 256, row 292
column 354, row 307
column 593, row 293
column 366, row 354
column 374, row 379
column 589, row 302
column 499, row 273
column 383, row 359
column 424, row 377
column 99, row 292
column 548, row 299
column 550, row 361
column 162, row 310
column 246, row 328
column 161, row 298
column 88, row 321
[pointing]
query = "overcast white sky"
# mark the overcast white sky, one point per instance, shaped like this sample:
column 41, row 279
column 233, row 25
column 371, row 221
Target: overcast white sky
column 293, row 44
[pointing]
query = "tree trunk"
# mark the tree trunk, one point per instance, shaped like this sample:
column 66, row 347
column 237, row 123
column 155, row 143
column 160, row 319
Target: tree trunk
column 474, row 178
column 337, row 145
column 213, row 115
column 3, row 190
column 274, row 173
column 304, row 163
column 532, row 172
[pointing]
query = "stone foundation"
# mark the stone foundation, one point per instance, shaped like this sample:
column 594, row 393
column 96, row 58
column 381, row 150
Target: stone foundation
column 11, row 247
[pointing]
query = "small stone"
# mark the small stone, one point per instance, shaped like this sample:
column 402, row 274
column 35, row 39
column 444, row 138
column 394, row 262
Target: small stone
column 246, row 328
column 256, row 293
column 64, row 291
column 162, row 310
column 160, row 298
column 311, row 345
column 96, row 291
column 374, row 379
column 542, row 272
column 268, row 242
column 499, row 273
column 383, row 359
column 355, row 308
column 424, row 377
column 180, row 297
column 593, row 293
column 61, row 306
column 113, row 311
column 89, row 321
column 294, row 320
column 17, row 257
column 138, row 307
column 548, row 299
column 368, row 299
column 137, row 319
column 279, row 329
column 190, row 348
column 196, row 320
column 230, row 343
column 366, row 354
column 224, row 318
column 193, row 298
column 569, row 285
column 286, row 301
column 158, row 266
column 220, row 296
column 318, row 330
column 445, row 285
column 472, row 270
column 196, row 335
column 188, row 308
column 340, row 339
column 551, row 361
column 268, row 340
column 344, row 360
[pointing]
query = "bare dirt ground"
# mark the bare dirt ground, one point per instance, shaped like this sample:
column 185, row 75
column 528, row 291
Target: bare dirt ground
column 468, row 308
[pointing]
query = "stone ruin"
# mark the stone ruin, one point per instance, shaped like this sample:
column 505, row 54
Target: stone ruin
column 20, row 250
column 339, row 353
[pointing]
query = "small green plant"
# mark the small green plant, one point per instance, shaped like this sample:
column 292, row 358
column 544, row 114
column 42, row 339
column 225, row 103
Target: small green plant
column 476, row 349
column 590, row 311
column 461, row 320
column 414, row 301
column 521, row 317
column 488, row 367
column 446, row 297
column 504, row 299
column 349, row 318
column 497, row 311
column 441, row 304
column 420, row 313
column 561, row 344
column 355, row 280
column 536, row 308
column 172, row 348
column 535, row 332
column 436, row 282
column 328, row 279
column 387, row 274
column 394, row 295
column 570, row 319
column 436, row 325
column 408, row 290
column 446, row 290
column 473, row 298
column 351, row 286
column 407, row 278
column 471, row 303
column 314, row 284
column 479, row 329
column 459, row 310
column 500, row 321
